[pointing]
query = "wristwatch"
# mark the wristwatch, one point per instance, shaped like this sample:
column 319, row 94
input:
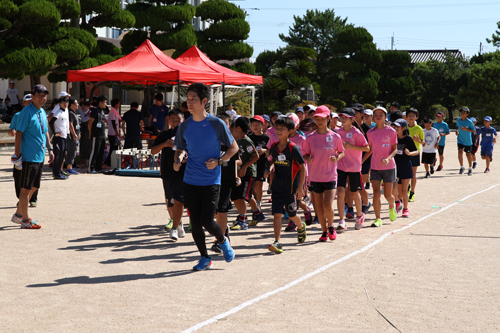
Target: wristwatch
column 220, row 161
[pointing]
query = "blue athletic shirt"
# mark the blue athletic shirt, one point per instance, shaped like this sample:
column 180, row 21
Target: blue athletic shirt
column 442, row 128
column 202, row 140
column 464, row 137
column 33, row 124
column 13, row 121
column 487, row 136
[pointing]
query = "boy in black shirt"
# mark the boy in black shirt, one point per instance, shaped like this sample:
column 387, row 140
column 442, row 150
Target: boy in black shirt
column 135, row 125
column 288, row 181
column 97, row 133
column 172, row 180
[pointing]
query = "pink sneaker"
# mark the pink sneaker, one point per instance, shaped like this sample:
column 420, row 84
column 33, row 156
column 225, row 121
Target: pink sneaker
column 398, row 206
column 332, row 234
column 359, row 222
column 324, row 237
column 406, row 213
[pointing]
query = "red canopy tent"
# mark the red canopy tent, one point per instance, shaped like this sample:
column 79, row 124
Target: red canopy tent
column 146, row 65
column 197, row 59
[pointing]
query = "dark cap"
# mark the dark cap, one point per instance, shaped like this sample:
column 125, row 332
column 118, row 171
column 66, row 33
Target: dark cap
column 266, row 118
column 39, row 88
column 348, row 112
column 358, row 107
column 464, row 109
column 276, row 113
column 395, row 104
column 299, row 109
column 401, row 123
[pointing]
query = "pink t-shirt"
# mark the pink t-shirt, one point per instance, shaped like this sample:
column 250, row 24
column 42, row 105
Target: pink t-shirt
column 113, row 115
column 381, row 142
column 320, row 147
column 272, row 137
column 351, row 162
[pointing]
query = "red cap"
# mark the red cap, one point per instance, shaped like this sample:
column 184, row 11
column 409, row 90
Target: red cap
column 440, row 114
column 322, row 111
column 259, row 118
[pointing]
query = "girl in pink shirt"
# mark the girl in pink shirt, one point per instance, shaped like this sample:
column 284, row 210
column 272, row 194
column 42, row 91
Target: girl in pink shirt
column 350, row 167
column 383, row 141
column 323, row 148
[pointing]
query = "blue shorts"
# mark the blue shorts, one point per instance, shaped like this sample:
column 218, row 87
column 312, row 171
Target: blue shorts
column 487, row 152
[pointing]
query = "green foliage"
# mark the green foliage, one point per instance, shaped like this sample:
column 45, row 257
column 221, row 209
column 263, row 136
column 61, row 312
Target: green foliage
column 244, row 67
column 181, row 38
column 70, row 48
column 142, row 17
column 40, row 12
column 396, row 82
column 8, row 8
column 107, row 48
column 290, row 99
column 273, row 85
column 265, row 62
column 495, row 38
column 233, row 29
column 217, row 10
column 104, row 58
column 106, row 7
column 26, row 61
column 177, row 13
column 121, row 19
column 337, row 103
column 133, row 39
column 226, row 50
column 67, row 8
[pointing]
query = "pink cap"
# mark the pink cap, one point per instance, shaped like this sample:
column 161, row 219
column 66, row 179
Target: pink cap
column 258, row 118
column 322, row 111
column 295, row 119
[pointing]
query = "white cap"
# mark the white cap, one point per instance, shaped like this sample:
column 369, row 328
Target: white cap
column 27, row 97
column 312, row 107
column 334, row 115
column 369, row 112
column 380, row 108
column 63, row 94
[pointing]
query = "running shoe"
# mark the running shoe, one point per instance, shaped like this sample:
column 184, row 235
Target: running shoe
column 180, row 230
column 359, row 222
column 174, row 234
column 427, row 175
column 346, row 209
column 227, row 250
column 72, row 172
column 93, row 172
column 291, row 226
column 275, row 247
column 332, row 234
column 204, row 263
column 366, row 208
column 316, row 220
column 350, row 213
column 60, row 177
column 30, row 224
column 216, row 247
column 406, row 213
column 33, row 204
column 17, row 219
column 432, row 169
column 65, row 173
column 189, row 225
column 169, row 225
column 470, row 172
column 411, row 197
column 392, row 214
column 439, row 168
column 257, row 218
column 462, row 169
column 487, row 170
column 324, row 237
column 398, row 206
column 377, row 223
column 302, row 234
column 341, row 225
column 240, row 226
column 308, row 217
column 474, row 165
column 236, row 221
column 367, row 186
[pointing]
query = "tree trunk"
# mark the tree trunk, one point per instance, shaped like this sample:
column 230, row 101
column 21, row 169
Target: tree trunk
column 34, row 80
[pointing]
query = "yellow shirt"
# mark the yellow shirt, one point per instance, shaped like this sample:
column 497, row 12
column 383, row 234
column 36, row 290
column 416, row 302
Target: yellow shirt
column 417, row 130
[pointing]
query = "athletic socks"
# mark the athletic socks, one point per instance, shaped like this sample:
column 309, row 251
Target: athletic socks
column 242, row 218
column 256, row 212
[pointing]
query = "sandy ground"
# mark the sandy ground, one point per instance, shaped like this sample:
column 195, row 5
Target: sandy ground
column 102, row 263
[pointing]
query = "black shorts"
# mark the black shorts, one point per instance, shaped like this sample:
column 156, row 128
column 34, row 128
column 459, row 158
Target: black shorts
column 355, row 180
column 281, row 200
column 415, row 160
column 245, row 190
column 320, row 187
column 428, row 158
column 173, row 189
column 404, row 170
column 224, row 199
column 474, row 149
column 365, row 168
column 466, row 149
column 133, row 142
column 31, row 175
column 441, row 150
column 260, row 176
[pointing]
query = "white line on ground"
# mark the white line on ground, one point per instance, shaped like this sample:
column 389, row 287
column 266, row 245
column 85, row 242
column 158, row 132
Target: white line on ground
column 321, row 269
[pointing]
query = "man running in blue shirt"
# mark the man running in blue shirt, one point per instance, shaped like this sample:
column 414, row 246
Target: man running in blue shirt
column 201, row 135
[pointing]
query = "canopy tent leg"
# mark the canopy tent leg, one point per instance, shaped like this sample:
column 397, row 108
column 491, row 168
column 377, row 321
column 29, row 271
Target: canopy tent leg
column 263, row 98
column 179, row 93
column 172, row 99
column 253, row 101
column 211, row 100
column 223, row 96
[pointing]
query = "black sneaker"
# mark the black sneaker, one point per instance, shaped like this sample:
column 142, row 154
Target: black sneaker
column 470, row 172
column 216, row 247
column 427, row 175
column 432, row 169
column 474, row 165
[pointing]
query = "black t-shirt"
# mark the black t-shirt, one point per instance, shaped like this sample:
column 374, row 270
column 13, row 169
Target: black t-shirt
column 286, row 168
column 404, row 143
column 228, row 169
column 167, row 156
column 73, row 118
column 260, row 141
column 98, row 126
column 132, row 119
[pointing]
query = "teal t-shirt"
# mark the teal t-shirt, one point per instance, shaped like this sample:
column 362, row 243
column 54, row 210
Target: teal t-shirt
column 32, row 122
column 442, row 128
column 464, row 137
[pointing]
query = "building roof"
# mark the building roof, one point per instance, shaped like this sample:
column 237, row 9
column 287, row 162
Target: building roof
column 425, row 55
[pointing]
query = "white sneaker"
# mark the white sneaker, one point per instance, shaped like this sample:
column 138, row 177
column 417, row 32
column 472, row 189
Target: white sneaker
column 341, row 225
column 180, row 230
column 174, row 234
column 16, row 219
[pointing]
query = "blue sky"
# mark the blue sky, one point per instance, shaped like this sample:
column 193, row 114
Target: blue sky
column 438, row 24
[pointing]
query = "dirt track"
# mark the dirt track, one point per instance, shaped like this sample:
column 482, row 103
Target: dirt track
column 102, row 263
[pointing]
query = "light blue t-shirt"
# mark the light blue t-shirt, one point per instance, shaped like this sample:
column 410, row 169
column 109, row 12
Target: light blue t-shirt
column 33, row 124
column 202, row 140
column 13, row 122
column 464, row 137
column 442, row 128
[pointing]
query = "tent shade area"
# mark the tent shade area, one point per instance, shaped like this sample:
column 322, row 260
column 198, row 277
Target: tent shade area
column 146, row 65
column 197, row 59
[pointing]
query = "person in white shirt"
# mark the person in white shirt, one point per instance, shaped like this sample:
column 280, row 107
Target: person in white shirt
column 60, row 125
column 114, row 119
column 232, row 113
column 430, row 147
column 13, row 94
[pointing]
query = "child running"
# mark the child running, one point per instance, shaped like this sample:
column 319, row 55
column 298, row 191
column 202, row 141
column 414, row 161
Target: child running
column 349, row 167
column 475, row 143
column 288, row 181
column 430, row 145
column 404, row 170
column 323, row 149
column 417, row 134
column 383, row 141
column 488, row 139
column 465, row 128
column 444, row 130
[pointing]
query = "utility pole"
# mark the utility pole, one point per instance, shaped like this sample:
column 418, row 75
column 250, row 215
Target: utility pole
column 392, row 42
column 480, row 47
